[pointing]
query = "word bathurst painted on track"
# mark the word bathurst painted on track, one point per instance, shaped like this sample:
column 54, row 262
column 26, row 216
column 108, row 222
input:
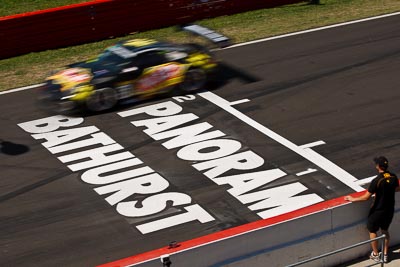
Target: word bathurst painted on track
column 124, row 179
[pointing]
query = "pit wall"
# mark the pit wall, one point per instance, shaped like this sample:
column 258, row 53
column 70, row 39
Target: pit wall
column 102, row 19
column 279, row 241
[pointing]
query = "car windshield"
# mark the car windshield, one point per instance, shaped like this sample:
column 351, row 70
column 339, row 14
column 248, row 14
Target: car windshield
column 115, row 55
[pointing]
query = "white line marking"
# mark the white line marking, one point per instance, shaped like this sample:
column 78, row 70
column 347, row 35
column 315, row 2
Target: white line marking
column 317, row 143
column 306, row 153
column 308, row 171
column 366, row 180
column 260, row 40
column 20, row 89
column 237, row 102
column 313, row 30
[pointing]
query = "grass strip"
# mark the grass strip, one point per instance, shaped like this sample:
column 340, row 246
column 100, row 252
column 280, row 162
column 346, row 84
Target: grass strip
column 33, row 68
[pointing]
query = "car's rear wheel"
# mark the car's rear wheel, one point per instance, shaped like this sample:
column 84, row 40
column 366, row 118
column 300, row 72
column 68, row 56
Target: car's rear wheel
column 102, row 99
column 195, row 79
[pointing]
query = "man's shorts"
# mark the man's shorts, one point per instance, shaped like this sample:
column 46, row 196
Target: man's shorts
column 379, row 220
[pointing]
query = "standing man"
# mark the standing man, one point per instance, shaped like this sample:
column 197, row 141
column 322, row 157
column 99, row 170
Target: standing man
column 381, row 213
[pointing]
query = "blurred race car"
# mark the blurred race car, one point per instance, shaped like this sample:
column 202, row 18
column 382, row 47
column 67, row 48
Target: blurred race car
column 133, row 69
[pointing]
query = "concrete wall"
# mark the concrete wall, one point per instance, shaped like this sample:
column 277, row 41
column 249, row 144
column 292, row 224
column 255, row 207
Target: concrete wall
column 101, row 19
column 288, row 242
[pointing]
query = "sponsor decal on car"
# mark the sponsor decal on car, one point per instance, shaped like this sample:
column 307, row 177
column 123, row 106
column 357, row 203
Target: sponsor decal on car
column 70, row 77
column 158, row 75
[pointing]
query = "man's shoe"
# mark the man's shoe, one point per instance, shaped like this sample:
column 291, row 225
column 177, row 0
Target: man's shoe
column 375, row 257
column 385, row 257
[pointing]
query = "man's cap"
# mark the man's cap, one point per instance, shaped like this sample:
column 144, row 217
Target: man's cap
column 381, row 161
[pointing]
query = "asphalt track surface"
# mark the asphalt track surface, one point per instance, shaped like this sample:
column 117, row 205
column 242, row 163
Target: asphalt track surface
column 339, row 85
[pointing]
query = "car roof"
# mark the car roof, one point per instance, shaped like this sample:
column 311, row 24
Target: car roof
column 137, row 45
column 132, row 48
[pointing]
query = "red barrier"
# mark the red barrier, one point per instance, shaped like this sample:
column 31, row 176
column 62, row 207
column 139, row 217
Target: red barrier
column 101, row 19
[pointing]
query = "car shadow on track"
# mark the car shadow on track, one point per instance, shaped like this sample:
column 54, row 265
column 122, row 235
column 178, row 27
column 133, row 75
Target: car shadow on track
column 12, row 149
column 228, row 72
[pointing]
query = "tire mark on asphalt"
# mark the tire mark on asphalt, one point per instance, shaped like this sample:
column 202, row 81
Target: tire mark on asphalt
column 33, row 186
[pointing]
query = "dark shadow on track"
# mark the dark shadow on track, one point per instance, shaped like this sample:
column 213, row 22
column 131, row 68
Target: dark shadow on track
column 228, row 72
column 12, row 149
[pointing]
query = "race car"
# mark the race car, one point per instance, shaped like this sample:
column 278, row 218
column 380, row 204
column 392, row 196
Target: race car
column 132, row 69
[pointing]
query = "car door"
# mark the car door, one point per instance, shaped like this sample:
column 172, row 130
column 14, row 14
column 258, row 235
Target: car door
column 156, row 71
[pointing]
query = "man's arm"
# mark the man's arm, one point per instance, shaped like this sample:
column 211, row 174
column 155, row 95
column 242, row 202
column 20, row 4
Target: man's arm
column 364, row 197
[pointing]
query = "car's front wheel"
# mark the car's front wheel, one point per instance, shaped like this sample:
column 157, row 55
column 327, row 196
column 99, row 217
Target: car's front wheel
column 195, row 79
column 102, row 99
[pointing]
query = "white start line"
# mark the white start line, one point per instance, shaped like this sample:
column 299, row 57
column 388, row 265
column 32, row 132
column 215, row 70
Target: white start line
column 305, row 151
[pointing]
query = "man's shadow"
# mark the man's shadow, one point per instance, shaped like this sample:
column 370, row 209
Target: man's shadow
column 395, row 255
column 12, row 149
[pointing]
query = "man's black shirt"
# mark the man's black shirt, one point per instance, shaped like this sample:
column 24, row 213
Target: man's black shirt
column 384, row 187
